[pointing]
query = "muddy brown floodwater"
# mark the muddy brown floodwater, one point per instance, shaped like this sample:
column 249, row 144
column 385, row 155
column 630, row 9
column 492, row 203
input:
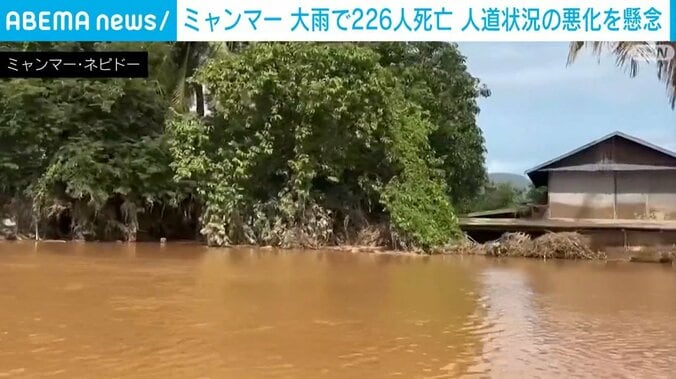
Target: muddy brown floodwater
column 184, row 311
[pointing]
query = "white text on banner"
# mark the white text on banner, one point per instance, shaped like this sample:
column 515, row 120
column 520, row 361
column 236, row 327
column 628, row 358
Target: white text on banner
column 425, row 20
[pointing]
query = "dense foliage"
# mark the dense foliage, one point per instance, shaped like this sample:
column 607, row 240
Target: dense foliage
column 504, row 195
column 434, row 76
column 86, row 158
column 305, row 144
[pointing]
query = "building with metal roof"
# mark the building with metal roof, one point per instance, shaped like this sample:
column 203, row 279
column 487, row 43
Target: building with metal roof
column 615, row 177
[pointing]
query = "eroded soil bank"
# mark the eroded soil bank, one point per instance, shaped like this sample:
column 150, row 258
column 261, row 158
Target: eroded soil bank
column 571, row 246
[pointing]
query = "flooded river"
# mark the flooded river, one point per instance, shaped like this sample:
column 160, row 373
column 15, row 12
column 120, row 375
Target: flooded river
column 184, row 311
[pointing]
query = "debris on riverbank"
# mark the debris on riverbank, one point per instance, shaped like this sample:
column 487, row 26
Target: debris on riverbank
column 565, row 246
column 548, row 246
column 8, row 229
column 511, row 245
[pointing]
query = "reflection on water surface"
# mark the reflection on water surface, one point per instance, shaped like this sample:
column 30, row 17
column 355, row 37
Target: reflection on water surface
column 184, row 311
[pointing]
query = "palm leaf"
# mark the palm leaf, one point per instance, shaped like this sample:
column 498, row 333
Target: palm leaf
column 179, row 95
column 629, row 55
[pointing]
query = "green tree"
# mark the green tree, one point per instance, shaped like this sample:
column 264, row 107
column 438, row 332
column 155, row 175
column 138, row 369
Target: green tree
column 306, row 144
column 302, row 133
column 187, row 58
column 536, row 195
column 497, row 196
column 88, row 153
column 434, row 76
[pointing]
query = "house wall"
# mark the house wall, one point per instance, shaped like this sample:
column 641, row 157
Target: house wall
column 646, row 195
column 581, row 195
column 623, row 195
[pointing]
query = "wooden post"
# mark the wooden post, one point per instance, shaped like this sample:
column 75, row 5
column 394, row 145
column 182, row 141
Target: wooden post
column 615, row 195
column 36, row 218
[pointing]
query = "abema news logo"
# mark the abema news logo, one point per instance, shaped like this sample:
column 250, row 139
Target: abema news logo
column 650, row 52
column 66, row 21
column 77, row 20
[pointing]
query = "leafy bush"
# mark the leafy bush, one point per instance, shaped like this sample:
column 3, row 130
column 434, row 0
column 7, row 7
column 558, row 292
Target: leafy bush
column 307, row 144
column 89, row 157
column 301, row 130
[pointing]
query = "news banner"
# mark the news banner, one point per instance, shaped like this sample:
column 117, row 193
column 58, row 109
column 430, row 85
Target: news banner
column 308, row 20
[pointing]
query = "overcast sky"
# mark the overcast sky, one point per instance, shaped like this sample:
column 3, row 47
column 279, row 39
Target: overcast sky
column 541, row 108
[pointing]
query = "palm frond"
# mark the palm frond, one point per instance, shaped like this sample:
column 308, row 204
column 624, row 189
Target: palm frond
column 629, row 56
column 666, row 72
column 179, row 95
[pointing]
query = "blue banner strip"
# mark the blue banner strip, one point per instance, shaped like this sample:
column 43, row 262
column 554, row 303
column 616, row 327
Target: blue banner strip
column 672, row 20
column 88, row 20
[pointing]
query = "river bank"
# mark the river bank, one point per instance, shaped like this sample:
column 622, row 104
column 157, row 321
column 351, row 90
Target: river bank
column 565, row 245
column 551, row 246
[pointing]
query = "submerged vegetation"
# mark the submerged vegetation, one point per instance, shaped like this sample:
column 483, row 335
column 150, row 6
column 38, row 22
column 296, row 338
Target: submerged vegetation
column 304, row 144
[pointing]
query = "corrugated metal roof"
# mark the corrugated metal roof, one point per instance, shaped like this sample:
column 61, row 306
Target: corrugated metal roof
column 611, row 167
column 598, row 141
